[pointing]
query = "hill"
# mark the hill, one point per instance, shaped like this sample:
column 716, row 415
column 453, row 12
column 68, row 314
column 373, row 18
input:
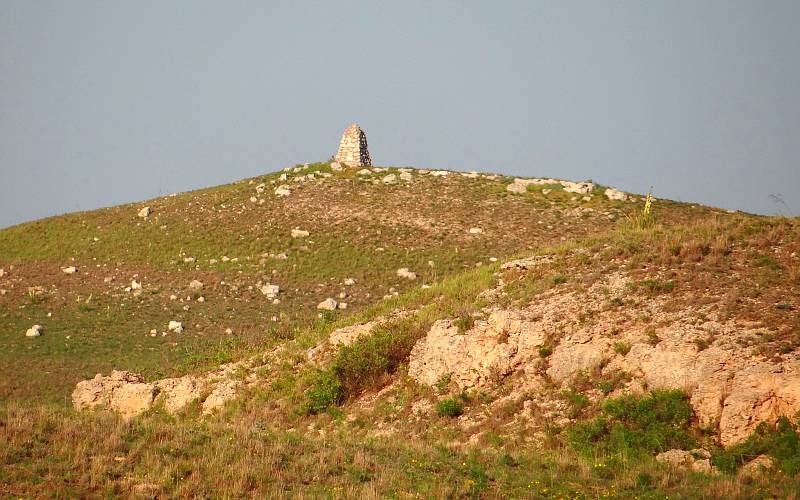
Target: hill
column 500, row 337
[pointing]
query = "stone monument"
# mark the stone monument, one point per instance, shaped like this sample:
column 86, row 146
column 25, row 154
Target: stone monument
column 353, row 148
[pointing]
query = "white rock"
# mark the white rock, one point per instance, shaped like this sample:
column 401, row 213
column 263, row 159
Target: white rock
column 2, row 272
column 135, row 285
column 328, row 304
column 349, row 281
column 516, row 188
column 389, row 179
column 145, row 212
column 260, row 188
column 253, row 199
column 475, row 230
column 299, row 233
column 201, row 299
column 364, row 171
column 70, row 270
column 440, row 173
column 336, row 166
column 270, row 290
column 195, row 285
column 406, row 176
column 615, row 194
column 283, row 190
column 175, row 326
column 35, row 331
column 189, row 260
column 404, row 272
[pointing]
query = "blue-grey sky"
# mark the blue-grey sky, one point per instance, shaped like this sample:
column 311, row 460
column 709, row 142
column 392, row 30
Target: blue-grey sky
column 106, row 102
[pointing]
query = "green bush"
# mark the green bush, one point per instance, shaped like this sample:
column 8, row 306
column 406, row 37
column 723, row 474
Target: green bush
column 325, row 391
column 630, row 425
column 781, row 442
column 365, row 362
column 449, row 407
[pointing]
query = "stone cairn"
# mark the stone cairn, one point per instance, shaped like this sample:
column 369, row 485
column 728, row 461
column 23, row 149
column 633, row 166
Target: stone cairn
column 353, row 148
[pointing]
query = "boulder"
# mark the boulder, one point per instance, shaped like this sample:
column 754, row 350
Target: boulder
column 69, row 270
column 516, row 188
column 195, row 285
column 122, row 391
column 283, row 190
column 389, row 179
column 615, row 194
column 406, row 176
column 34, row 331
column 698, row 460
column 145, row 212
column 757, row 466
column 271, row 291
column 299, row 233
column 404, row 272
column 328, row 304
column 175, row 326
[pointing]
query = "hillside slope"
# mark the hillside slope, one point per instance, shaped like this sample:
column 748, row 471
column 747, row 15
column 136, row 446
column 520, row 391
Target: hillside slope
column 552, row 344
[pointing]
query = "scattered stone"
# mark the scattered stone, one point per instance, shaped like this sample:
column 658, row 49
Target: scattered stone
column 70, row 270
column 195, row 285
column 353, row 149
column 615, row 194
column 35, row 331
column 406, row 176
column 299, row 233
column 364, row 171
column 475, row 230
column 201, row 299
column 145, row 212
column 175, row 326
column 261, row 188
column 328, row 304
column 389, row 179
column 2, row 272
column 283, row 190
column 516, row 188
column 349, row 281
column 404, row 272
column 135, row 285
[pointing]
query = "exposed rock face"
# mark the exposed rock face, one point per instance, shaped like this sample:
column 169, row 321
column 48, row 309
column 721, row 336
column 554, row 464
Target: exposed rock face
column 122, row 391
column 353, row 148
column 491, row 349
column 615, row 194
column 179, row 392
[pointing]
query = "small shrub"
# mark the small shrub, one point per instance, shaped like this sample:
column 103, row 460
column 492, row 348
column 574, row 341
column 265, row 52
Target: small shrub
column 652, row 337
column 702, row 343
column 325, row 391
column 464, row 322
column 622, row 348
column 443, row 382
column 783, row 306
column 577, row 401
column 449, row 407
column 654, row 287
column 545, row 351
column 617, row 301
column 559, row 279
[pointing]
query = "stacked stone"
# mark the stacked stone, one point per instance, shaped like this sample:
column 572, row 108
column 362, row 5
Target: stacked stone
column 353, row 148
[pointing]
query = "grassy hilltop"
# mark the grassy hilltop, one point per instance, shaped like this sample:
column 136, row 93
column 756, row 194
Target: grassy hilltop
column 351, row 421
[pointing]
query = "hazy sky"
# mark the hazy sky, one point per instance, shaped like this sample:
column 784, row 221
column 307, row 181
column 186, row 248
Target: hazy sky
column 106, row 102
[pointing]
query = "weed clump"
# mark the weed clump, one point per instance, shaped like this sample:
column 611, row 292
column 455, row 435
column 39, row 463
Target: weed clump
column 449, row 407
